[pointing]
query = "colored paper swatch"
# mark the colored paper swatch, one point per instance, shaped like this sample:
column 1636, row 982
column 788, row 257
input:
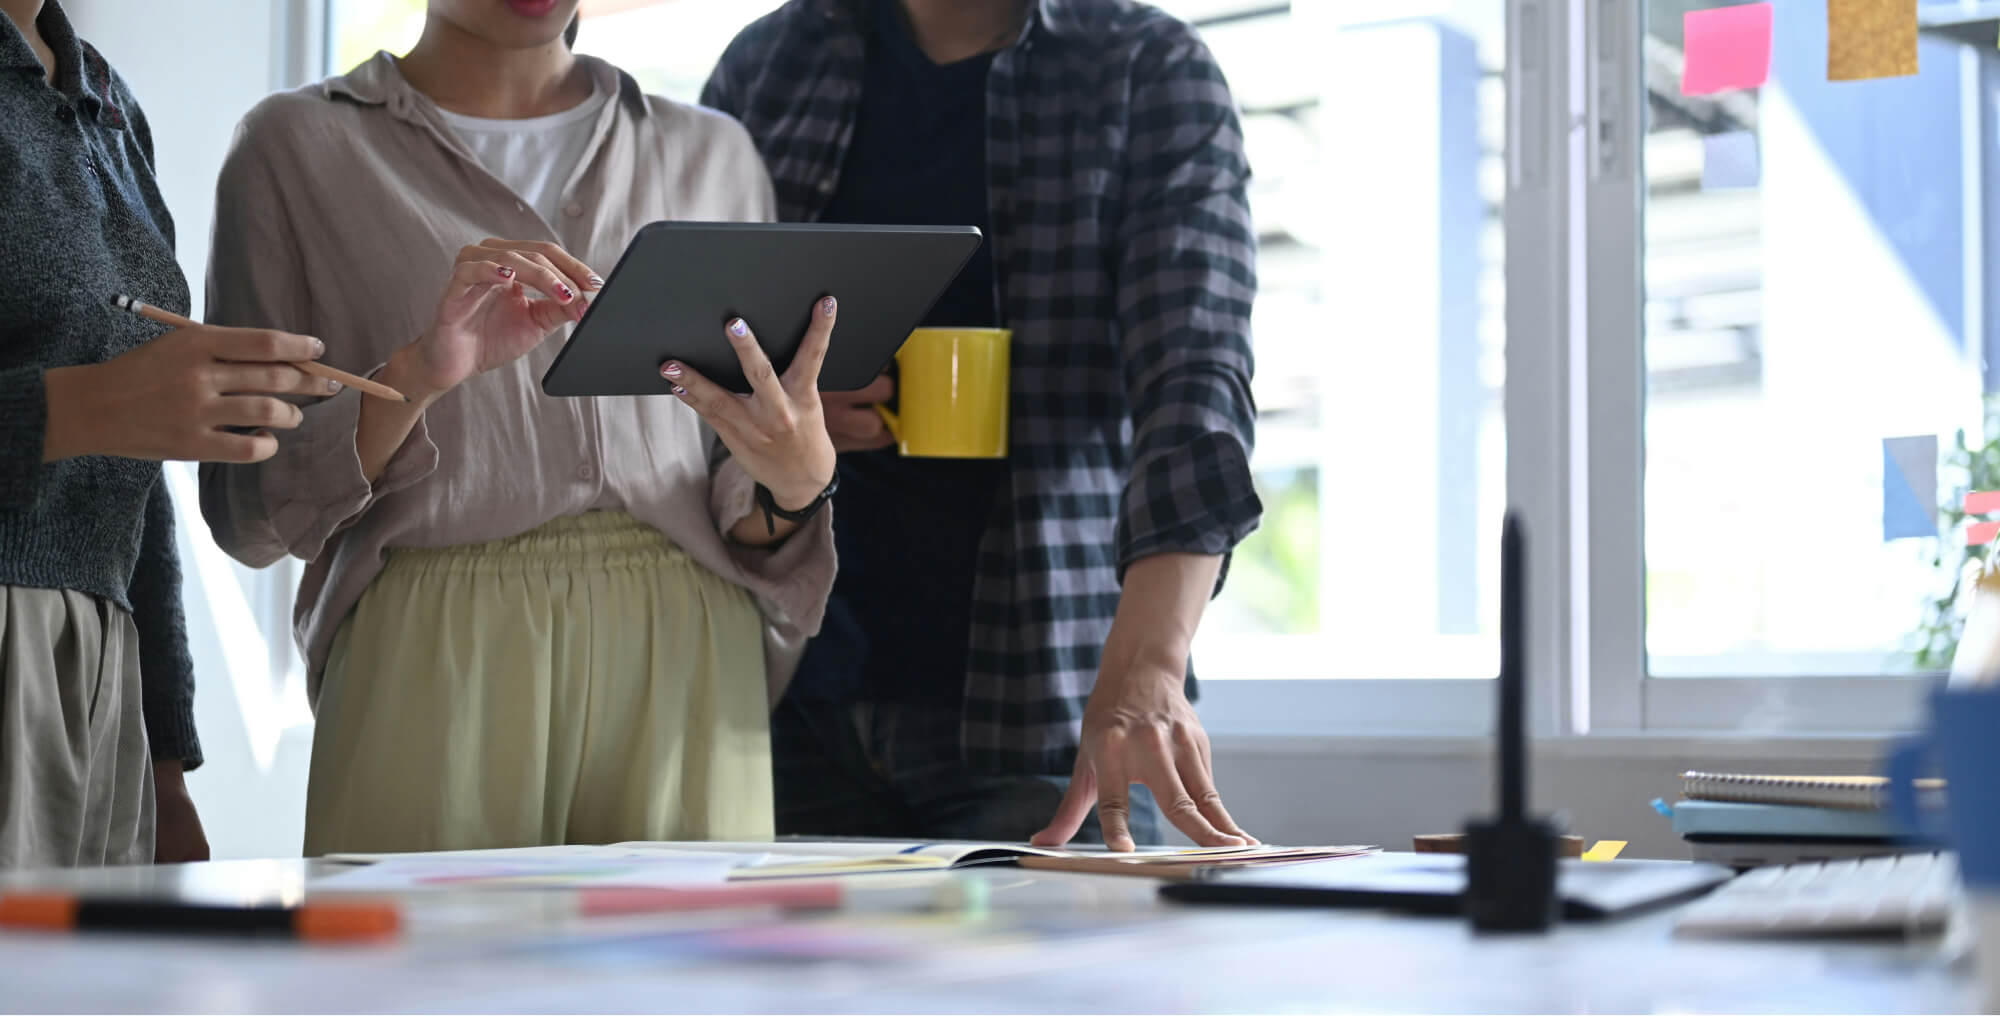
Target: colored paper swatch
column 1729, row 161
column 1604, row 850
column 1726, row 48
column 1909, row 487
column 1981, row 533
column 1870, row 39
column 1981, row 502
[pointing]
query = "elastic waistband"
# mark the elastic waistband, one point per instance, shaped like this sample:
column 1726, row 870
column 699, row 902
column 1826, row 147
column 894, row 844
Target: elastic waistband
column 597, row 538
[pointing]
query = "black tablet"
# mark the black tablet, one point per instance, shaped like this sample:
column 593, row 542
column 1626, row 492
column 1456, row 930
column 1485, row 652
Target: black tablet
column 679, row 283
column 1435, row 884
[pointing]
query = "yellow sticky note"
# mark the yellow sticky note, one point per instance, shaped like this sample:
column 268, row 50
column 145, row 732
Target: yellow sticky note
column 1870, row 39
column 1604, row 850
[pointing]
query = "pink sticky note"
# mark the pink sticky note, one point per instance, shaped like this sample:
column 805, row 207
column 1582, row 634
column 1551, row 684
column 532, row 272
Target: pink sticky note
column 1726, row 48
column 1980, row 502
column 1981, row 533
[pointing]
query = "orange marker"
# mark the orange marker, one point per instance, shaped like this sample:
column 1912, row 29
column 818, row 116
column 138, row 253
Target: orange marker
column 313, row 922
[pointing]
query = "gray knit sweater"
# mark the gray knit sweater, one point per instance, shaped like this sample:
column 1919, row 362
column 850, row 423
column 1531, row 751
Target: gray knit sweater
column 81, row 219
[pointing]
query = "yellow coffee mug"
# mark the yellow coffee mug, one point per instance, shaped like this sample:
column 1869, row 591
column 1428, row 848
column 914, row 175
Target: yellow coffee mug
column 951, row 391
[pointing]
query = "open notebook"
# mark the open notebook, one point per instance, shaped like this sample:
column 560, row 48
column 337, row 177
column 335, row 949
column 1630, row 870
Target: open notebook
column 821, row 858
column 740, row 862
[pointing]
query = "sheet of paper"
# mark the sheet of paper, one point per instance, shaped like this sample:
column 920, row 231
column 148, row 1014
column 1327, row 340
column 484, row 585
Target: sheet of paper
column 623, row 870
column 1870, row 39
column 1909, row 487
column 1981, row 533
column 946, row 851
column 1730, row 161
column 1726, row 48
column 1982, row 502
column 568, row 850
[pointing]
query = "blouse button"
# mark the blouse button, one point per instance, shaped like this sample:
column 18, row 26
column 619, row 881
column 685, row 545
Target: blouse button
column 573, row 210
column 586, row 472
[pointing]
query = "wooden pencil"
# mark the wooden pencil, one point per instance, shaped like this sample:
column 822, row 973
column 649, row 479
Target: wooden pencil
column 313, row 367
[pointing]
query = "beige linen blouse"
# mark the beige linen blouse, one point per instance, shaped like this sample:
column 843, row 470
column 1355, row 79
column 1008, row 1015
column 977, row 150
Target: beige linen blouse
column 340, row 210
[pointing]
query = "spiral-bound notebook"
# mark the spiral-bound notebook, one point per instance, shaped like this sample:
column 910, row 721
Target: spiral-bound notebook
column 1864, row 793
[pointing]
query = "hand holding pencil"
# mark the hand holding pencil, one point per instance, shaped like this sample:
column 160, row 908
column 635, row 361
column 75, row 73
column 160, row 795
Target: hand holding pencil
column 313, row 367
column 196, row 393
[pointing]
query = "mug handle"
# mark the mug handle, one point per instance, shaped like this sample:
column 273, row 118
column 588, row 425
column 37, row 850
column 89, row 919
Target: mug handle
column 889, row 419
column 1904, row 766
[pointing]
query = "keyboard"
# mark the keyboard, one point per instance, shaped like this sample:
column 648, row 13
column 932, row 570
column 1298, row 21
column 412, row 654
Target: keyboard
column 1909, row 895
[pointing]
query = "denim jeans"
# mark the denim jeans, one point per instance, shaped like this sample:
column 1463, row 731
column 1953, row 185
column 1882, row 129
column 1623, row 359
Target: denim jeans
column 895, row 771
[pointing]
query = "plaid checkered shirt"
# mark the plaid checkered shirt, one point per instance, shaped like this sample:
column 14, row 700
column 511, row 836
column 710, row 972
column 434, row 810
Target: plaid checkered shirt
column 1125, row 260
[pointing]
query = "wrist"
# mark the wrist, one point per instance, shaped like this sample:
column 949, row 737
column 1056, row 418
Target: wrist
column 1146, row 658
column 797, row 496
column 169, row 773
column 405, row 372
column 69, row 428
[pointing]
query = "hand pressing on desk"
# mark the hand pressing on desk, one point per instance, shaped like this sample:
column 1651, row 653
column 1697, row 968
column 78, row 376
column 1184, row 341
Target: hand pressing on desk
column 777, row 433
column 1139, row 726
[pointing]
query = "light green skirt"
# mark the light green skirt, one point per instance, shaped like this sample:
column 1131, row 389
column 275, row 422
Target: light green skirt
column 586, row 682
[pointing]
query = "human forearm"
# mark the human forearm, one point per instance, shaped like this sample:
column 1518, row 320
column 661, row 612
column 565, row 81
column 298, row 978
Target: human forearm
column 384, row 425
column 1139, row 726
column 166, row 670
column 750, row 530
column 1158, row 613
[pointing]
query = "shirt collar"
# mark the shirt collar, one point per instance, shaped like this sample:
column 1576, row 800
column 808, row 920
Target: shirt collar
column 1059, row 18
column 81, row 73
column 378, row 81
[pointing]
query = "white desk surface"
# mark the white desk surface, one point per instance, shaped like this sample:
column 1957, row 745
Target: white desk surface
column 1091, row 944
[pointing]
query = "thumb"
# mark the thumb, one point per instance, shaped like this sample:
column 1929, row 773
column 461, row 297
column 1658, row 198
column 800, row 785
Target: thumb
column 1075, row 807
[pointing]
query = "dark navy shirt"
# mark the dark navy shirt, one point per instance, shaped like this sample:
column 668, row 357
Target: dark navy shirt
column 908, row 529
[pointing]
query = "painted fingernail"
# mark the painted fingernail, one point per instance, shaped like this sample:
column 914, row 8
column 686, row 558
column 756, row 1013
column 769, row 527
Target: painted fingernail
column 678, row 390
column 595, row 282
column 565, row 292
column 506, row 272
column 332, row 386
column 828, row 306
column 738, row 328
column 319, row 349
column 671, row 370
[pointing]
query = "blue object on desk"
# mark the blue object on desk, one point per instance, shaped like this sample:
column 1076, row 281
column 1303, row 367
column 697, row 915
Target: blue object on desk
column 1964, row 742
column 1787, row 821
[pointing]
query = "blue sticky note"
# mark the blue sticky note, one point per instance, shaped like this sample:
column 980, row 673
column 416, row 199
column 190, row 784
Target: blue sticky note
column 1730, row 161
column 1909, row 487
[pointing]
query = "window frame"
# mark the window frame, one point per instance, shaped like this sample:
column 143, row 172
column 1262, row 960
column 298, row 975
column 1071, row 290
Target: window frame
column 1617, row 692
column 1540, row 249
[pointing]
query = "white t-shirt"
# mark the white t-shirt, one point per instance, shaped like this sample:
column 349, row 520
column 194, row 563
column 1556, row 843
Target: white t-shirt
column 536, row 156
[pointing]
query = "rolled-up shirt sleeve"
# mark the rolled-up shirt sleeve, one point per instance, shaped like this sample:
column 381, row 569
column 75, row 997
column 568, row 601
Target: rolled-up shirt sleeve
column 314, row 486
column 1186, row 280
column 791, row 580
